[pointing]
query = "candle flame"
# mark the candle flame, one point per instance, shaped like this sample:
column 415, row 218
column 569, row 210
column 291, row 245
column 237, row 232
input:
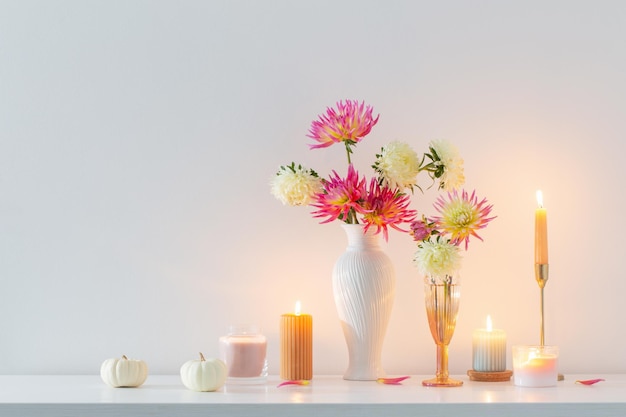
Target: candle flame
column 489, row 324
column 540, row 198
column 298, row 308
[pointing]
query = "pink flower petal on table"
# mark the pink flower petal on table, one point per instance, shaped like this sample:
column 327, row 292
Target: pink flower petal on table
column 299, row 382
column 589, row 381
column 392, row 381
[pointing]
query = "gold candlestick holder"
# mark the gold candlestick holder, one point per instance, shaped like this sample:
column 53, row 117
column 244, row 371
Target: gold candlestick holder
column 542, row 275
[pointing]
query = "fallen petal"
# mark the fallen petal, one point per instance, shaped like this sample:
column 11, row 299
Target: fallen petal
column 392, row 381
column 299, row 382
column 589, row 381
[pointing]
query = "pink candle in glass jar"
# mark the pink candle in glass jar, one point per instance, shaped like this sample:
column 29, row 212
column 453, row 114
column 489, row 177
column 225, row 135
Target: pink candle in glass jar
column 244, row 351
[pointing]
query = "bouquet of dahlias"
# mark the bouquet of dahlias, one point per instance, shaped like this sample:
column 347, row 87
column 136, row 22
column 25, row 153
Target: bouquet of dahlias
column 380, row 202
column 461, row 215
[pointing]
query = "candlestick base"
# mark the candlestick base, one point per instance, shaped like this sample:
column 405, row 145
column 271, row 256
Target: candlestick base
column 496, row 376
column 442, row 382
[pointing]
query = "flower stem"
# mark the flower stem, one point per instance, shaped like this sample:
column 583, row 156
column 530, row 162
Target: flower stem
column 351, row 218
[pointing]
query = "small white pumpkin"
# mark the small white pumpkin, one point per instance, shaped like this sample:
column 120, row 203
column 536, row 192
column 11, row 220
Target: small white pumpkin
column 203, row 374
column 124, row 372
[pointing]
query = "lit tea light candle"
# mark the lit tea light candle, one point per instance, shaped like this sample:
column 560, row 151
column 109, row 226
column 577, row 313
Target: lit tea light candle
column 296, row 345
column 489, row 349
column 535, row 366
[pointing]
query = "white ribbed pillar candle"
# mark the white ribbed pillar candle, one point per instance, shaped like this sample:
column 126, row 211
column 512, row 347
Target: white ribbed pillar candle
column 489, row 349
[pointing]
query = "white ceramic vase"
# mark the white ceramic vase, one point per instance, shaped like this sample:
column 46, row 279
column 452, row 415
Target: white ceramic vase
column 364, row 286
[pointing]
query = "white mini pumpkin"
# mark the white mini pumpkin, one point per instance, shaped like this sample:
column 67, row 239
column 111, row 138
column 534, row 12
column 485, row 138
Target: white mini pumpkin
column 124, row 372
column 203, row 374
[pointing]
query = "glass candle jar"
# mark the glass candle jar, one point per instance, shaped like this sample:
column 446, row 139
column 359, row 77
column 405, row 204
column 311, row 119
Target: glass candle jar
column 244, row 351
column 535, row 366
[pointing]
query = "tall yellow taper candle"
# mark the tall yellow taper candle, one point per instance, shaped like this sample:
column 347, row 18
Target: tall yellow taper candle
column 296, row 346
column 541, row 232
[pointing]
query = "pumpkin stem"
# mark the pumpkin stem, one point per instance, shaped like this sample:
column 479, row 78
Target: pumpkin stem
column 124, row 357
column 202, row 357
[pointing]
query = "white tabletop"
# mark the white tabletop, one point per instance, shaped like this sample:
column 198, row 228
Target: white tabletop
column 164, row 395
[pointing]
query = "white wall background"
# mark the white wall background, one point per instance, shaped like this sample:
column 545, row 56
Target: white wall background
column 137, row 140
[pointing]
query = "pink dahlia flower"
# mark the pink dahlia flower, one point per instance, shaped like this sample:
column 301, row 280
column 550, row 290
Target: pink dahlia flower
column 386, row 207
column 341, row 198
column 349, row 123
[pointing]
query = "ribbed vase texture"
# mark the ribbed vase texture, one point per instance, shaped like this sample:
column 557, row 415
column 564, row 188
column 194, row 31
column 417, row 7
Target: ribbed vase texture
column 364, row 286
column 442, row 308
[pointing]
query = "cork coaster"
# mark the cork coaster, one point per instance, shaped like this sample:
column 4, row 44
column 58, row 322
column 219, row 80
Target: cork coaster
column 490, row 376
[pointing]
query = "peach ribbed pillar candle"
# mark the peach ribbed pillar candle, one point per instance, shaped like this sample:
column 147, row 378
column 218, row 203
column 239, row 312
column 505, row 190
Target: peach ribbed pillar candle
column 296, row 347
